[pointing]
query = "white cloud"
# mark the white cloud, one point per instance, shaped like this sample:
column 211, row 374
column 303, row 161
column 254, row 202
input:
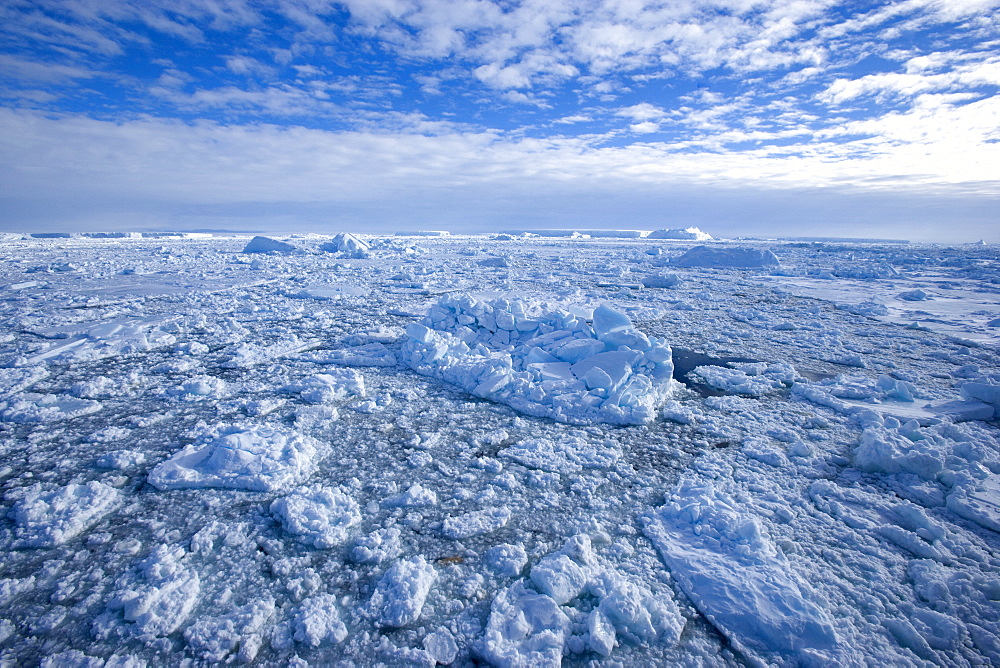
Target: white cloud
column 908, row 84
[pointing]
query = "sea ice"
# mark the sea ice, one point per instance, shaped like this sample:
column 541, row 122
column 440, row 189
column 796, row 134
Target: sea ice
column 475, row 523
column 32, row 408
column 162, row 598
column 315, row 622
column 260, row 458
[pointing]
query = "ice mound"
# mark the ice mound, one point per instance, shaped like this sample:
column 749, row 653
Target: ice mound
column 538, row 626
column 319, row 516
column 267, row 245
column 554, row 365
column 736, row 577
column 726, row 257
column 50, row 518
column 258, row 458
column 687, row 233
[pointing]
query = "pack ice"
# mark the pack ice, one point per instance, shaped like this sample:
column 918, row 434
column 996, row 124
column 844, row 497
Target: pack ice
column 554, row 365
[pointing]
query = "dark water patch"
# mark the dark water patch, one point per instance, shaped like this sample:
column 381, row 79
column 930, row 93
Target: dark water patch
column 686, row 361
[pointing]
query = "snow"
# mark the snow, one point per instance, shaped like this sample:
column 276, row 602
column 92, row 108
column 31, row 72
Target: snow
column 290, row 458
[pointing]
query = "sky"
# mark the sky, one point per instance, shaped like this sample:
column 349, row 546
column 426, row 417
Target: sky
column 745, row 118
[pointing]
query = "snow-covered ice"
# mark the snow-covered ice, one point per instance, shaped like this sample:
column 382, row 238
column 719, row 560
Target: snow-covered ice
column 257, row 457
column 575, row 448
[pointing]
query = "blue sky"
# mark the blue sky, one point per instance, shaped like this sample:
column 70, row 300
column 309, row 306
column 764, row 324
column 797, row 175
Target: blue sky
column 803, row 117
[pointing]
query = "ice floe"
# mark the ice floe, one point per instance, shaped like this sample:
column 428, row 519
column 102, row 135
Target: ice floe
column 259, row 458
column 45, row 518
column 319, row 516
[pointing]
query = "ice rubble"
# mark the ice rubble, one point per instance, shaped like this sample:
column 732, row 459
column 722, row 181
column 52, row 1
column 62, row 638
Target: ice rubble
column 535, row 622
column 553, row 365
column 726, row 257
column 48, row 518
column 260, row 458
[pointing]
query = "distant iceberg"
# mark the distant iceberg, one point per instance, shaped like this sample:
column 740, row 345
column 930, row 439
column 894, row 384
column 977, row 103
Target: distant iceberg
column 687, row 233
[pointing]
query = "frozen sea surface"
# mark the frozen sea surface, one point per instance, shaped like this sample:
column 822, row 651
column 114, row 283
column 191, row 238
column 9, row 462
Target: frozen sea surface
column 501, row 451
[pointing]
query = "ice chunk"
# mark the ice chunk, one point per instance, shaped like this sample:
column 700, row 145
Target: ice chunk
column 524, row 629
column 319, row 516
column 367, row 354
column 441, row 646
column 317, row 622
column 887, row 451
column 977, row 500
column 50, row 518
column 661, row 281
column 734, row 575
column 737, row 381
column 260, row 458
column 507, row 560
column 416, row 495
column 400, row 594
column 267, row 245
column 345, row 242
column 14, row 380
column 120, row 460
column 326, row 387
column 214, row 639
column 510, row 352
column 727, row 257
column 380, row 545
column 475, row 523
column 559, row 577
